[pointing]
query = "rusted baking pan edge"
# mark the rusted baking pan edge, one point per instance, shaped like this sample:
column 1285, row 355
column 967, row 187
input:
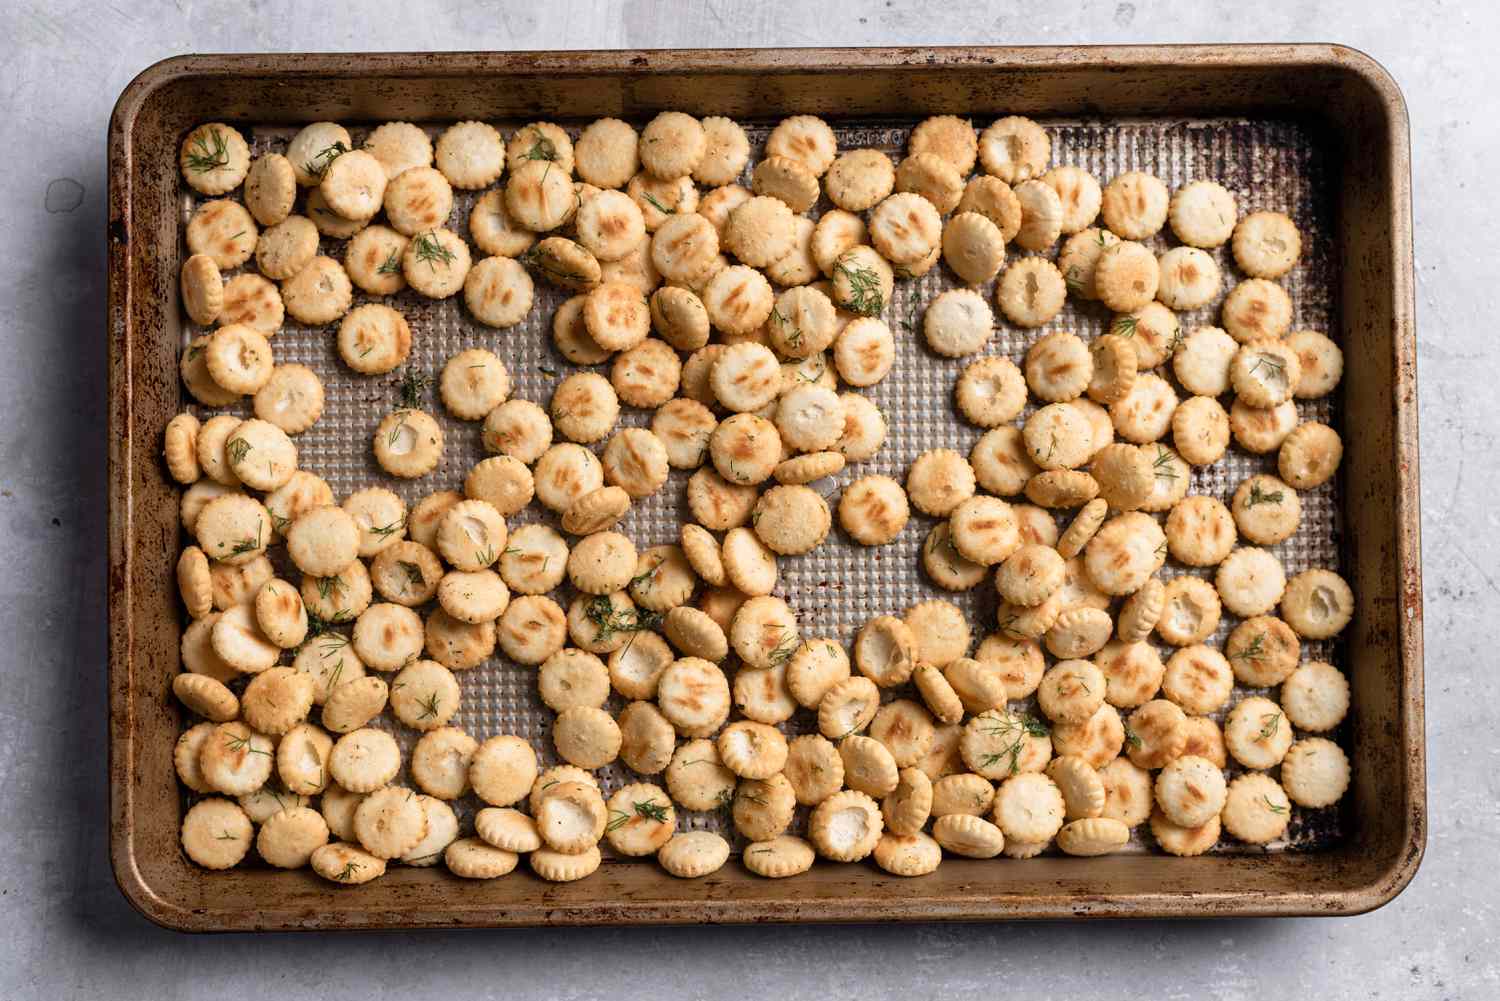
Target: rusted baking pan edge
column 1349, row 91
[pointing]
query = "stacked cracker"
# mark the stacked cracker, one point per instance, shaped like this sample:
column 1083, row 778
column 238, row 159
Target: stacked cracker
column 647, row 253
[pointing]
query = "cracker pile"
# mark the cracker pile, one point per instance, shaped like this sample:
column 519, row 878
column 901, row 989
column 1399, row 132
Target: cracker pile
column 736, row 318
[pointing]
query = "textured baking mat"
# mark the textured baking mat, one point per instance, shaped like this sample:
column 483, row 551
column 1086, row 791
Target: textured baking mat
column 1267, row 164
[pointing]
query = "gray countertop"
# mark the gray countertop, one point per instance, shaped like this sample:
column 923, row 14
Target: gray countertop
column 66, row 932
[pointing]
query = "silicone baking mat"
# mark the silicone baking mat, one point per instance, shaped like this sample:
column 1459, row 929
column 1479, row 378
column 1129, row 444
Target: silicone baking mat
column 1267, row 164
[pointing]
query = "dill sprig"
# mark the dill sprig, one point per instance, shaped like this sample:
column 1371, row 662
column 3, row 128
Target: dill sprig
column 664, row 210
column 542, row 149
column 608, row 620
column 414, row 574
column 794, row 339
column 391, row 265
column 650, row 810
column 430, row 251
column 395, row 432
column 785, row 649
column 385, row 530
column 330, row 587
column 1124, row 325
column 429, row 706
column 1165, row 468
column 644, row 578
column 934, row 543
column 1269, row 724
column 348, row 871
column 811, row 378
column 244, row 744
column 237, row 449
column 865, row 296
column 549, row 267
column 910, row 323
column 203, row 157
column 318, row 165
column 1274, row 366
column 1074, row 280
column 1259, row 496
column 321, row 629
column 412, row 389
column 333, row 679
column 1015, row 729
column 1273, row 807
column 1254, row 651
column 249, row 544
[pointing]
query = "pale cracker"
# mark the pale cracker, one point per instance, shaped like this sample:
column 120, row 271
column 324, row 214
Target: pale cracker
column 1031, row 292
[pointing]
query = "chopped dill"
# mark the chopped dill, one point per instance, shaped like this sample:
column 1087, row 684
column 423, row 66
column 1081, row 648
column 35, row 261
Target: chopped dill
column 865, row 295
column 203, row 157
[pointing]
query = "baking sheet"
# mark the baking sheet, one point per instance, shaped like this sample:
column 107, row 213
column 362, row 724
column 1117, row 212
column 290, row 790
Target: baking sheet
column 1267, row 164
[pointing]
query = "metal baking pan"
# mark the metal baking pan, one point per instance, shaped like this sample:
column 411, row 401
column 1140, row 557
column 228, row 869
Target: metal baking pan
column 1318, row 131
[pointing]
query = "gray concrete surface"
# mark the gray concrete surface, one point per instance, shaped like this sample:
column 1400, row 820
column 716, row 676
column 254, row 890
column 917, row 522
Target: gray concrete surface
column 65, row 931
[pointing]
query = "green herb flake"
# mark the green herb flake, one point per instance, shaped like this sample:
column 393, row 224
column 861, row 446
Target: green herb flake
column 1269, row 724
column 664, row 210
column 248, row 544
column 865, row 296
column 244, row 744
column 793, row 339
column 318, row 165
column 414, row 575
column 1012, row 728
column 413, row 389
column 542, row 149
column 237, row 449
column 1255, row 650
column 386, row 530
column 1272, row 365
column 207, row 152
column 785, row 649
column 1165, row 468
column 1259, row 496
column 608, row 621
column 1074, row 280
column 430, row 251
column 391, row 265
